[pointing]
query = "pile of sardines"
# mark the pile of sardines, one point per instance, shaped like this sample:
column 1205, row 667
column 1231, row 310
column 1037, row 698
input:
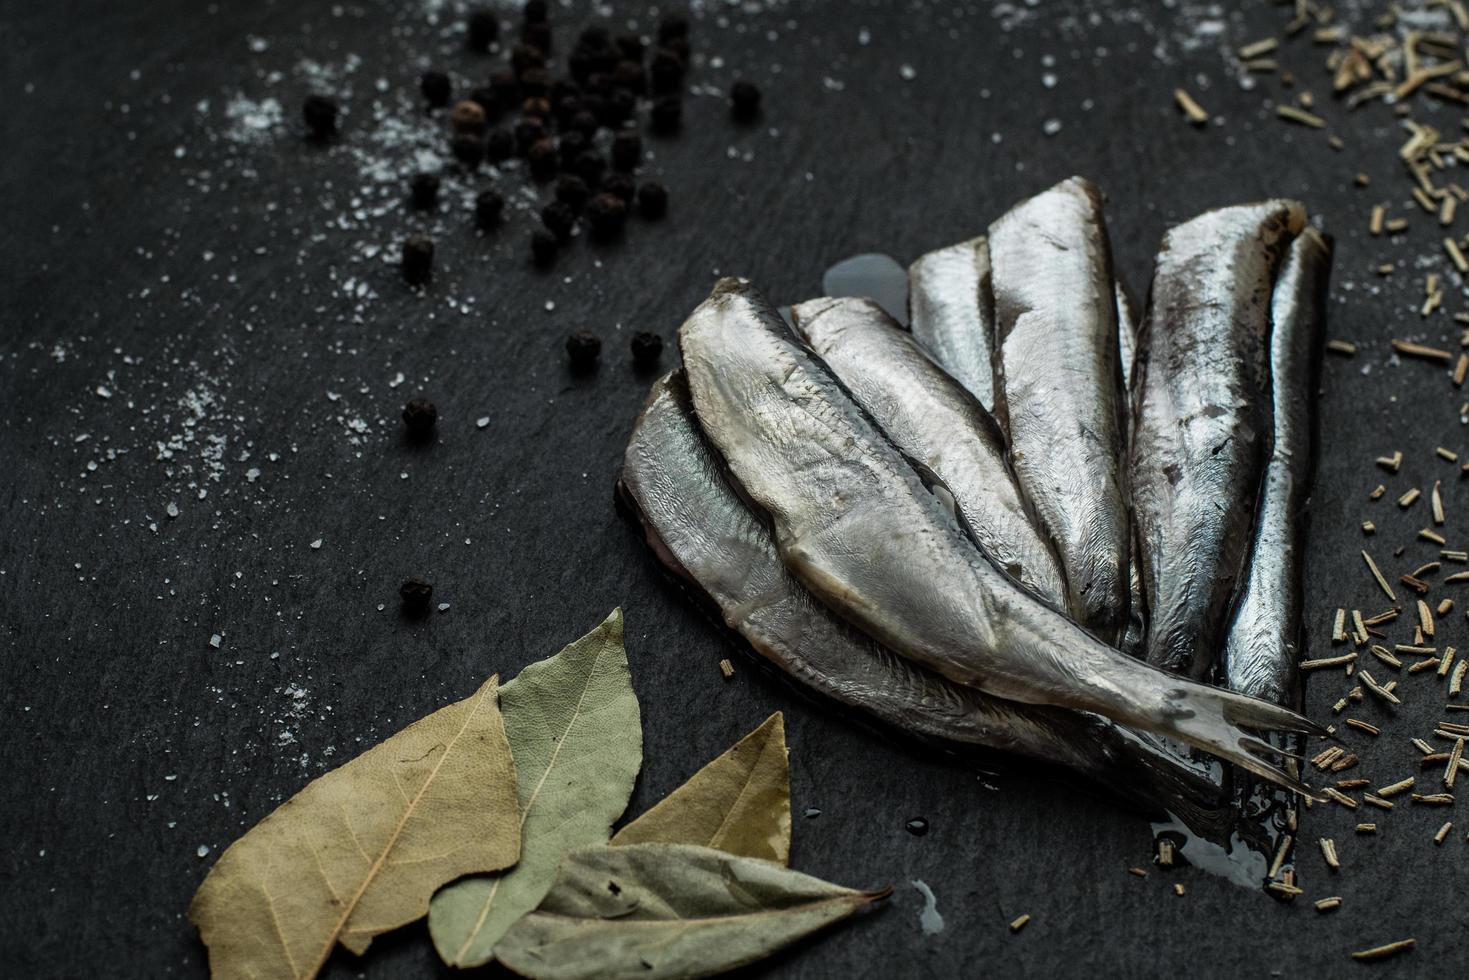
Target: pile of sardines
column 1029, row 522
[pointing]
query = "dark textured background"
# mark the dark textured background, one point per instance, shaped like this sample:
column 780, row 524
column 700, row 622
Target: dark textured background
column 129, row 741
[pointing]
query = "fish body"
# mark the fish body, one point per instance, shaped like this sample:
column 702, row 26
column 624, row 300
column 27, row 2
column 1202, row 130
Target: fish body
column 858, row 527
column 1135, row 634
column 1058, row 389
column 1262, row 649
column 951, row 312
column 1202, row 432
column 704, row 533
column 936, row 423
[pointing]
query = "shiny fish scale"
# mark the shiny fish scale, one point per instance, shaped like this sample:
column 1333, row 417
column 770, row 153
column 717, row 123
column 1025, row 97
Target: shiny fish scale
column 951, row 312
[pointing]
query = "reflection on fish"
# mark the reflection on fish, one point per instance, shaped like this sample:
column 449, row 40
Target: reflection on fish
column 855, row 523
column 704, row 533
column 951, row 312
column 1058, row 389
column 1203, row 422
column 937, row 424
column 1135, row 636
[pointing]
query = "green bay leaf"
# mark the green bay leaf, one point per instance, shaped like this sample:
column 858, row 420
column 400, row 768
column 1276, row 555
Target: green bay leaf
column 576, row 734
column 662, row 911
column 740, row 803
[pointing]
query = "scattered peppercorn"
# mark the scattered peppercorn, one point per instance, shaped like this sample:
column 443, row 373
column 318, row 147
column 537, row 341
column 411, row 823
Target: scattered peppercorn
column 420, row 416
column 536, row 82
column 538, row 106
column 646, row 348
column 537, row 36
column 618, row 106
column 629, row 75
column 524, row 57
column 680, row 48
column 665, row 71
column 672, row 26
column 572, row 145
column 424, row 189
column 606, row 213
column 436, row 88
column 483, row 29
column 320, row 114
column 500, row 145
column 589, row 167
column 559, row 218
column 627, row 150
column 744, row 100
column 506, row 87
column 416, row 595
column 527, row 132
column 571, row 190
column 583, row 348
column 468, row 150
column 534, row 11
column 630, row 46
column 585, row 121
column 621, row 185
column 543, row 246
column 467, row 116
column 489, row 205
column 418, row 259
column 653, row 200
column 485, row 97
column 594, row 37
column 666, row 115
column 543, row 159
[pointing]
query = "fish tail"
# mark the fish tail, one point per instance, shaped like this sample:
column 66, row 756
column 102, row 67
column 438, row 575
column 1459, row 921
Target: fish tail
column 1162, row 778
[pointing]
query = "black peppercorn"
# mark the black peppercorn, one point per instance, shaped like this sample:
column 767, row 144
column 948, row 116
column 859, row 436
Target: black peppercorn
column 565, row 109
column 583, row 349
column 536, row 82
column 468, row 150
column 489, row 205
column 528, row 131
column 538, row 106
column 543, row 158
column 562, row 88
column 419, row 417
column 629, row 75
column 571, row 190
column 418, row 259
column 672, row 26
column 537, row 36
column 524, row 57
column 483, row 29
column 436, row 88
column 666, row 115
column 416, row 595
column 744, row 100
column 665, row 71
column 594, row 37
column 627, row 150
column 500, row 145
column 653, row 200
column 646, row 348
column 572, row 145
column 630, row 47
column 424, row 189
column 680, row 48
column 506, row 87
column 543, row 246
column 619, row 184
column 534, row 11
column 320, row 114
column 606, row 214
column 485, row 97
column 467, row 116
column 585, row 121
column 581, row 63
column 559, row 218
column 620, row 105
column 589, row 167
column 599, row 83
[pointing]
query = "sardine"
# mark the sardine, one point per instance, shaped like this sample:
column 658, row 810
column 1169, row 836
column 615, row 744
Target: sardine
column 1262, row 650
column 1058, row 389
column 707, row 536
column 1127, row 328
column 936, row 423
column 1203, row 423
column 854, row 522
column 952, row 313
column 1135, row 635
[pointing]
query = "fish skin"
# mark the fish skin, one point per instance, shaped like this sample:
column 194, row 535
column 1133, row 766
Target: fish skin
column 1127, row 329
column 938, row 424
column 1203, row 422
column 952, row 313
column 705, row 534
column 1262, row 649
column 854, row 522
column 1058, row 390
column 1135, row 634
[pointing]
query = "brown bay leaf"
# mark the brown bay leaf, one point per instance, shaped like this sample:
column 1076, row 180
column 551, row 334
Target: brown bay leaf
column 740, row 803
column 360, row 850
column 575, row 729
column 662, row 911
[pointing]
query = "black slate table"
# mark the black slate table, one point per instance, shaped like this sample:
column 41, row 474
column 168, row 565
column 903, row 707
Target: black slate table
column 196, row 320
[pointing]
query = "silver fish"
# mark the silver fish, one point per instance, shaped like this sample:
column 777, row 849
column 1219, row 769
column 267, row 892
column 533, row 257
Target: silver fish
column 704, row 533
column 856, row 524
column 1262, row 649
column 936, row 423
column 1058, row 389
column 1127, row 328
column 1135, row 635
column 951, row 312
column 1203, row 421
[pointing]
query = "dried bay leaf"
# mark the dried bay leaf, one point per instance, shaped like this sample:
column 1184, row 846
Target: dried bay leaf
column 360, row 850
column 740, row 803
column 657, row 911
column 575, row 730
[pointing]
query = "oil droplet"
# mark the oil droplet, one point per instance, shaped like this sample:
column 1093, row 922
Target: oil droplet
column 929, row 919
column 917, row 826
column 877, row 276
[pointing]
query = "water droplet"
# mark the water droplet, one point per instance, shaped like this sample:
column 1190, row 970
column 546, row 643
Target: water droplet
column 874, row 275
column 812, row 813
column 917, row 826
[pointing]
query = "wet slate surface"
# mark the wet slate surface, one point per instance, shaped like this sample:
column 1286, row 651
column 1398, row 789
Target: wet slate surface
column 196, row 280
